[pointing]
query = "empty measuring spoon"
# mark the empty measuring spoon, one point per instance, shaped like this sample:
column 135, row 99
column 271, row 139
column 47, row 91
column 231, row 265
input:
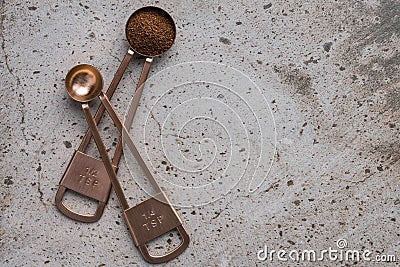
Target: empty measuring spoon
column 83, row 84
column 80, row 176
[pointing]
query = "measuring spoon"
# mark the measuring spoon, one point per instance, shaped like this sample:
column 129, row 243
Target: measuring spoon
column 151, row 218
column 142, row 38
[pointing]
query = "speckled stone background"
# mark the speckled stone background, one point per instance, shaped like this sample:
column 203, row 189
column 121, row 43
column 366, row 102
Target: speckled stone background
column 328, row 69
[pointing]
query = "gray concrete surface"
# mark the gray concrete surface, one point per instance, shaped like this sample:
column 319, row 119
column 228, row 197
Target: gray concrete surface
column 329, row 71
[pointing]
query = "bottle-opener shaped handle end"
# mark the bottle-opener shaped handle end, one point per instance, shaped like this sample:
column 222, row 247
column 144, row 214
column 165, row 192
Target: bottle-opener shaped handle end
column 151, row 219
column 87, row 176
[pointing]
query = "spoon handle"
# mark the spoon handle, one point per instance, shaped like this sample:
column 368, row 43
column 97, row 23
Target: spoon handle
column 110, row 91
column 129, row 141
column 135, row 103
column 104, row 155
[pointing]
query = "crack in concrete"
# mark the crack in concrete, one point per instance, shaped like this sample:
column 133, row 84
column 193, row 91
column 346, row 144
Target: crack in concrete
column 272, row 186
column 158, row 123
column 154, row 118
column 3, row 44
column 21, row 98
column 358, row 182
column 218, row 213
column 40, row 191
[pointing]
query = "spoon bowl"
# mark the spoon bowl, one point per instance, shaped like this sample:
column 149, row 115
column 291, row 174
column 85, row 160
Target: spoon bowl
column 83, row 83
column 150, row 31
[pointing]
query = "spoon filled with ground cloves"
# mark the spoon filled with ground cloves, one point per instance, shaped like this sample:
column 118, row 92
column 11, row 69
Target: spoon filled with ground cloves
column 150, row 31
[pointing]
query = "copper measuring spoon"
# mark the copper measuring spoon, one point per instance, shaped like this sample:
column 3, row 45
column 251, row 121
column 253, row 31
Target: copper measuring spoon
column 143, row 50
column 96, row 185
column 151, row 218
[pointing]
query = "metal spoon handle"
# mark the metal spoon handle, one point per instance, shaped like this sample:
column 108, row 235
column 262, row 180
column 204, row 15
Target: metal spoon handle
column 138, row 94
column 129, row 141
column 104, row 155
column 110, row 91
column 133, row 107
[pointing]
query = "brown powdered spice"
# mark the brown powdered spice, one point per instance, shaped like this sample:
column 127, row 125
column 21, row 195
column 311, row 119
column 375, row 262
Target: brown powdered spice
column 150, row 31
